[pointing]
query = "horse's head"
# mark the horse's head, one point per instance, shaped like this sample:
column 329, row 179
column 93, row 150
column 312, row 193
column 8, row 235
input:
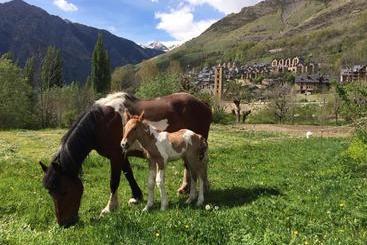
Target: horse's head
column 66, row 192
column 131, row 130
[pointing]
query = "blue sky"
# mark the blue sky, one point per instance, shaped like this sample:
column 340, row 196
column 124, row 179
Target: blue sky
column 143, row 21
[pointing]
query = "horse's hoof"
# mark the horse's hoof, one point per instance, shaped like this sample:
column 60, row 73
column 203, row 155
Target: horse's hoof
column 133, row 201
column 164, row 208
column 199, row 203
column 146, row 209
column 189, row 201
column 104, row 212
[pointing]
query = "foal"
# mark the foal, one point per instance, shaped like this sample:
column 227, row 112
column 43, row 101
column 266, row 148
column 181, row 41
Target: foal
column 161, row 147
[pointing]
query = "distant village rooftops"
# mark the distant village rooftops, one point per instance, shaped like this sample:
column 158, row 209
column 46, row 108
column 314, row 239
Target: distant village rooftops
column 354, row 73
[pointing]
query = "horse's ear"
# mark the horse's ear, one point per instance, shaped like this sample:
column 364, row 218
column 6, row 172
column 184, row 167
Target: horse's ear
column 43, row 166
column 127, row 115
column 141, row 116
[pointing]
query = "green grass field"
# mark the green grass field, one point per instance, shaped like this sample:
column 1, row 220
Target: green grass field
column 269, row 189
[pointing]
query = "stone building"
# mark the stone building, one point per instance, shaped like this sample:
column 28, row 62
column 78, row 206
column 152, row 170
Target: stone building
column 311, row 83
column 355, row 73
column 295, row 65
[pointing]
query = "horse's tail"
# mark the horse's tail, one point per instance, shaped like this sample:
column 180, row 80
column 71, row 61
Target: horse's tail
column 203, row 148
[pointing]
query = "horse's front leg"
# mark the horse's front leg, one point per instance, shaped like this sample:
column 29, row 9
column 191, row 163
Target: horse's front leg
column 151, row 184
column 137, row 194
column 116, row 165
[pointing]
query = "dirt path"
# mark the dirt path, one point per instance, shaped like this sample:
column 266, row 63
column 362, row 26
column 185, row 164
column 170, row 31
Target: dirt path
column 301, row 130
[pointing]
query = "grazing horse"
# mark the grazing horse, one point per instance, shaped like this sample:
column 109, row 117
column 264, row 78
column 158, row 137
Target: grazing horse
column 101, row 128
column 161, row 147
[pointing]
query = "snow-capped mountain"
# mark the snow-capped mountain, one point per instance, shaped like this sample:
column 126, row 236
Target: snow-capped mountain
column 158, row 46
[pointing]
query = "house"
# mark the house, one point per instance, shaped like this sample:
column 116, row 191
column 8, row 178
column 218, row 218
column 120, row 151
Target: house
column 355, row 73
column 295, row 65
column 311, row 83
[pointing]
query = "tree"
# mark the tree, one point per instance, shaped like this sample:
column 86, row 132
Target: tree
column 14, row 96
column 280, row 98
column 51, row 76
column 7, row 56
column 101, row 68
column 29, row 71
column 161, row 85
column 51, row 69
column 238, row 92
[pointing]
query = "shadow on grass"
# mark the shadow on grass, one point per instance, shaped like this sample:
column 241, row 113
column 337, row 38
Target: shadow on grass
column 238, row 196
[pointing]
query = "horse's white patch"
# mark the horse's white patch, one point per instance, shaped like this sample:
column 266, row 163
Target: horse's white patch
column 115, row 100
column 111, row 205
column 187, row 136
column 160, row 125
column 164, row 146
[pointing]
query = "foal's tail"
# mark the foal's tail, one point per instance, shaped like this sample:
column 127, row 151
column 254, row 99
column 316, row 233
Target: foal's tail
column 203, row 148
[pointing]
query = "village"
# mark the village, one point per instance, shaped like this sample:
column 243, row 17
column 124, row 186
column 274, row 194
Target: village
column 306, row 76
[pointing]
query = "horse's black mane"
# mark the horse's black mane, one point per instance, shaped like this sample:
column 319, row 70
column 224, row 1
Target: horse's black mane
column 75, row 146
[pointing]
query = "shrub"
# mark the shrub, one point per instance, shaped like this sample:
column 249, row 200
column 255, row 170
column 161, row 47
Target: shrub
column 221, row 117
column 15, row 94
column 163, row 84
column 357, row 150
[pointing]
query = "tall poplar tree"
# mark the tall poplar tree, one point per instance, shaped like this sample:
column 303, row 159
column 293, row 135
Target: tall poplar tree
column 101, row 69
column 51, row 69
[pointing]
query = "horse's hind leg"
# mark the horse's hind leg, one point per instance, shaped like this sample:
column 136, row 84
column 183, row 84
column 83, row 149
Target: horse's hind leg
column 161, row 185
column 193, row 179
column 200, row 200
column 185, row 186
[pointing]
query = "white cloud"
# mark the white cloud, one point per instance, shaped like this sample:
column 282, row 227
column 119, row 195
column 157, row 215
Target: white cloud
column 65, row 5
column 180, row 23
column 225, row 6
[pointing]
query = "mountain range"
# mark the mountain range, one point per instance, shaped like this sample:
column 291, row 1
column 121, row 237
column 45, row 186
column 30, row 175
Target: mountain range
column 329, row 32
column 157, row 45
column 27, row 30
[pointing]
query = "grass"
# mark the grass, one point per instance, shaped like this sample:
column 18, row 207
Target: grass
column 269, row 189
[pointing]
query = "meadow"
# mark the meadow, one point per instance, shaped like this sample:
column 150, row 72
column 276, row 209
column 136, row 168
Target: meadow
column 266, row 188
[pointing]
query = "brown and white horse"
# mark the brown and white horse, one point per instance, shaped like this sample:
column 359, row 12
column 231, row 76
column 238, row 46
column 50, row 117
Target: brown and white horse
column 161, row 147
column 101, row 128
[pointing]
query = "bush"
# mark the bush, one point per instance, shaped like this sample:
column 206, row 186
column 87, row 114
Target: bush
column 357, row 150
column 163, row 84
column 15, row 94
column 221, row 117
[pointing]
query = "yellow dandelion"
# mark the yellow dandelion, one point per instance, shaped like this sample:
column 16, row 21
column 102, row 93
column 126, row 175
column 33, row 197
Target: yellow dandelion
column 342, row 205
column 187, row 226
column 157, row 234
column 295, row 232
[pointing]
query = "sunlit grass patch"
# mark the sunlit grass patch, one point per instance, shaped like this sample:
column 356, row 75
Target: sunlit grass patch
column 266, row 188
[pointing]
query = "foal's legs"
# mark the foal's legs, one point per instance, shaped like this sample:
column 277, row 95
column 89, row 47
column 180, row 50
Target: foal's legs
column 185, row 186
column 200, row 200
column 151, row 184
column 193, row 178
column 161, row 185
